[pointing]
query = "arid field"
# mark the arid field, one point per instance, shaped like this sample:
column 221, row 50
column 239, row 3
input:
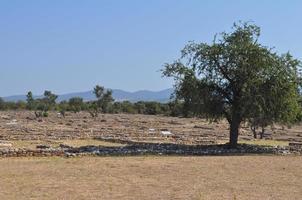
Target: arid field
column 142, row 177
column 246, row 177
column 23, row 130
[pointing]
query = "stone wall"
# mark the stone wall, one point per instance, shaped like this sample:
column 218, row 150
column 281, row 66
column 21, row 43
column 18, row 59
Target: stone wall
column 153, row 149
column 31, row 153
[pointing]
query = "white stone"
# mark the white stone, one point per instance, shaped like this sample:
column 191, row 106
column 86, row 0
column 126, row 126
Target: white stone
column 5, row 144
column 166, row 133
column 12, row 122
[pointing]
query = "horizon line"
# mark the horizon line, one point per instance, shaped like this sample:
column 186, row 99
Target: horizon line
column 66, row 93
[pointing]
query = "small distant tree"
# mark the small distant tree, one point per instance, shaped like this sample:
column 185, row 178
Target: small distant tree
column 62, row 107
column 93, row 109
column 128, row 107
column 50, row 99
column 2, row 104
column 104, row 100
column 116, row 107
column 45, row 104
column 234, row 75
column 140, row 107
column 21, row 105
column 8, row 105
column 152, row 108
column 30, row 101
column 76, row 104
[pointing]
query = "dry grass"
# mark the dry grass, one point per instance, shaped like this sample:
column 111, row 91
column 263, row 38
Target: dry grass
column 265, row 142
column 259, row 142
column 87, row 142
column 246, row 177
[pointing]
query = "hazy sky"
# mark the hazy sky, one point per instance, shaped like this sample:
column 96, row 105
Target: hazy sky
column 71, row 45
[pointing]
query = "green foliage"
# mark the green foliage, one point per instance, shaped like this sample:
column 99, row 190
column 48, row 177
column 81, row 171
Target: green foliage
column 76, row 104
column 152, row 108
column 299, row 116
column 140, row 107
column 93, row 109
column 62, row 107
column 237, row 78
column 2, row 104
column 42, row 106
column 21, row 105
column 45, row 114
column 103, row 103
column 116, row 107
column 176, row 108
column 128, row 107
column 30, row 101
column 49, row 99
column 98, row 91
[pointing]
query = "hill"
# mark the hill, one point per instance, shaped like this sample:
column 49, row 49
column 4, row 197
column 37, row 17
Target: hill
column 118, row 95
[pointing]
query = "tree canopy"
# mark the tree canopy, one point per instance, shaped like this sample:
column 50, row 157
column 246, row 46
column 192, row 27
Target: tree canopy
column 237, row 78
column 104, row 100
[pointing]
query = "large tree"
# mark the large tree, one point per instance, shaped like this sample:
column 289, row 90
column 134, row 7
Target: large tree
column 237, row 78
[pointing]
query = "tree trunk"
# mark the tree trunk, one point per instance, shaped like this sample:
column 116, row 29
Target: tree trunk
column 234, row 132
column 253, row 128
column 262, row 133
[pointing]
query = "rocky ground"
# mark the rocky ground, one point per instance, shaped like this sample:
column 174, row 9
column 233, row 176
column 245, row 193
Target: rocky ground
column 56, row 135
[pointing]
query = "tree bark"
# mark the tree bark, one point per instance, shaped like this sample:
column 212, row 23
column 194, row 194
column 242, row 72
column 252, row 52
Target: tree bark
column 253, row 128
column 234, row 131
column 262, row 133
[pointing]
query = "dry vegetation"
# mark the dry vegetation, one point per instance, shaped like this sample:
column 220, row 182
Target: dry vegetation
column 246, row 177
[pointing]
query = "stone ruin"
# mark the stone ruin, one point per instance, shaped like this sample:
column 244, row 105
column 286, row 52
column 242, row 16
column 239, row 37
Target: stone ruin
column 137, row 148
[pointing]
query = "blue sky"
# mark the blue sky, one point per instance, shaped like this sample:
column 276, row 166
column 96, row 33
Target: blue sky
column 72, row 45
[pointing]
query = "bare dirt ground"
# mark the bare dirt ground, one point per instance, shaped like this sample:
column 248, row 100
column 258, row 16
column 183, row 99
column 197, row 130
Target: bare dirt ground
column 241, row 177
column 21, row 128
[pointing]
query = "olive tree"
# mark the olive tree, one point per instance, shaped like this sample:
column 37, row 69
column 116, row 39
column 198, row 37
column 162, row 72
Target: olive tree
column 30, row 101
column 76, row 104
column 45, row 104
column 104, row 100
column 237, row 78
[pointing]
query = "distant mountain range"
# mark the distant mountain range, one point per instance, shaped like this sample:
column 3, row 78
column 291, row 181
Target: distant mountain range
column 118, row 95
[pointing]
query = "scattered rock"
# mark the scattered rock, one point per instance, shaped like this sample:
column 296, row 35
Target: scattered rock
column 175, row 123
column 151, row 129
column 149, row 149
column 65, row 146
column 12, row 122
column 203, row 127
column 166, row 133
column 43, row 146
column 30, row 118
column 5, row 144
column 6, row 117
